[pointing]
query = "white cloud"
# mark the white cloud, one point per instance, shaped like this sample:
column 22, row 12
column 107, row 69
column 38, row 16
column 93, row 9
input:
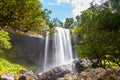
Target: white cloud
column 79, row 5
column 63, row 1
column 52, row 3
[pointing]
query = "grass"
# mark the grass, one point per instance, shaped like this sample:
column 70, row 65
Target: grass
column 10, row 65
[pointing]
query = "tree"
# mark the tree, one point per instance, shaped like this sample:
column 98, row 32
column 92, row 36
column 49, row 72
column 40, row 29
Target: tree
column 57, row 22
column 22, row 15
column 69, row 22
column 99, row 35
column 78, row 21
column 113, row 5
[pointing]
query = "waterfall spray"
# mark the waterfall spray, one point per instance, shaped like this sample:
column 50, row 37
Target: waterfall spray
column 58, row 51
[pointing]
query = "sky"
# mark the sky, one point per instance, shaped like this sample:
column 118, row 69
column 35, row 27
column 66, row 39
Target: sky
column 62, row 9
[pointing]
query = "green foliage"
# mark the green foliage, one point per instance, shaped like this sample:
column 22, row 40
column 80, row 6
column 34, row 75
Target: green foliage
column 4, row 40
column 10, row 65
column 22, row 15
column 99, row 34
column 57, row 22
column 69, row 23
column 6, row 66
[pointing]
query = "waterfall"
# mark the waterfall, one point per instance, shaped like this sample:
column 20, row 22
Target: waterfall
column 58, row 50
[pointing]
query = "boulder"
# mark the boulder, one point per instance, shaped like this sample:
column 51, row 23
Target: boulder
column 94, row 74
column 7, row 76
column 22, row 78
column 77, row 66
column 28, row 75
column 55, row 73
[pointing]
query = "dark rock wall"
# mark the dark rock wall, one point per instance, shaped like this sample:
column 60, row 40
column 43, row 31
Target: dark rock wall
column 29, row 49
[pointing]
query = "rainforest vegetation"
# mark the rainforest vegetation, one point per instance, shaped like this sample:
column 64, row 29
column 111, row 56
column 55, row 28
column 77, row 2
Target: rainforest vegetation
column 97, row 29
column 23, row 16
column 98, row 33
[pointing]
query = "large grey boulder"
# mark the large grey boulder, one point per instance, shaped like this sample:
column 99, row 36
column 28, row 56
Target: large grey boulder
column 55, row 73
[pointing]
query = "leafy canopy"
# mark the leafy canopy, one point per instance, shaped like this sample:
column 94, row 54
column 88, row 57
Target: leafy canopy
column 99, row 33
column 22, row 15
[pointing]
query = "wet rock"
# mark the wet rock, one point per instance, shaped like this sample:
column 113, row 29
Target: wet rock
column 7, row 76
column 86, row 62
column 79, row 65
column 28, row 48
column 55, row 73
column 22, row 78
column 22, row 71
column 28, row 75
column 94, row 63
column 94, row 74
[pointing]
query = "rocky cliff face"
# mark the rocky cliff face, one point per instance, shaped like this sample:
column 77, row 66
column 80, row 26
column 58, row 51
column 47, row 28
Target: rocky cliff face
column 28, row 48
column 31, row 49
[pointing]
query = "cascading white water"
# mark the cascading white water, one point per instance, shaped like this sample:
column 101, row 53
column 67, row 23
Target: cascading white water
column 58, row 50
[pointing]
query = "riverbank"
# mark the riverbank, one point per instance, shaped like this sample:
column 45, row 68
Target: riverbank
column 94, row 74
column 88, row 74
